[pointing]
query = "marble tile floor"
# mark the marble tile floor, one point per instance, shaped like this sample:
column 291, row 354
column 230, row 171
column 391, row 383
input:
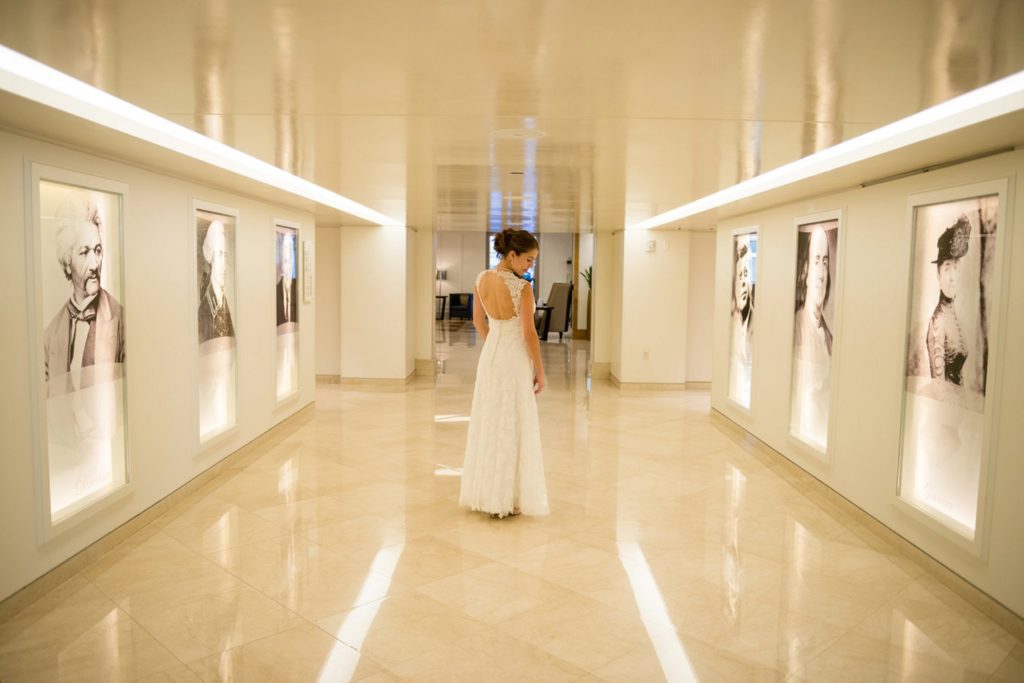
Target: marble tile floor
column 339, row 554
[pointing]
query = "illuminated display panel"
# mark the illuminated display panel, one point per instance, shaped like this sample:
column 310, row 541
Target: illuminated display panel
column 813, row 330
column 287, row 304
column 955, row 282
column 82, row 343
column 215, row 307
column 741, row 314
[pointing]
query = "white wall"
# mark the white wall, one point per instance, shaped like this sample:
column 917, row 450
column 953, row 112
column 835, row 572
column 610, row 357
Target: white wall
column 328, row 301
column 463, row 255
column 612, row 322
column 653, row 323
column 424, row 295
column 586, row 259
column 555, row 250
column 868, row 362
column 701, row 307
column 374, row 321
column 409, row 303
column 159, row 270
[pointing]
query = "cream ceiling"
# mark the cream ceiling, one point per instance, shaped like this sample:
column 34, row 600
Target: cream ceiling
column 565, row 115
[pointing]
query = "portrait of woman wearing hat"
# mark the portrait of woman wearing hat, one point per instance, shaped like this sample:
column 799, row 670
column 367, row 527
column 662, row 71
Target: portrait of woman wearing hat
column 947, row 349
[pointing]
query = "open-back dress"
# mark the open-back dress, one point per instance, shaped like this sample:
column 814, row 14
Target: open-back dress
column 504, row 467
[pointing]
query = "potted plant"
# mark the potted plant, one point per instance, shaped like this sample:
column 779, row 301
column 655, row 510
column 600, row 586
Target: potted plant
column 587, row 275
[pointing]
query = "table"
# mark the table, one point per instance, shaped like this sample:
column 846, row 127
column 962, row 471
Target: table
column 440, row 309
column 545, row 322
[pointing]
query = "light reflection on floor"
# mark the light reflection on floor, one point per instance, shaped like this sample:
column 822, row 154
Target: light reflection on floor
column 339, row 554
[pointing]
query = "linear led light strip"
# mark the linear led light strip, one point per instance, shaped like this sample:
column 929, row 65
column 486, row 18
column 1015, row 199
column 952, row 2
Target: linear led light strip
column 34, row 81
column 995, row 99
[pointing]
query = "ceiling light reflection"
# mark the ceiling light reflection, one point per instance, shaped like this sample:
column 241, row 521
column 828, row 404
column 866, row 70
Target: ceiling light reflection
column 446, row 471
column 451, row 418
column 37, row 82
column 988, row 102
column 674, row 663
column 341, row 665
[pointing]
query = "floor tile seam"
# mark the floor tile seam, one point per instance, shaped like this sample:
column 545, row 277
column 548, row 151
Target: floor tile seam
column 139, row 625
column 333, row 556
column 192, row 663
column 359, row 652
column 231, row 574
column 575, row 594
column 851, row 630
column 971, row 624
column 975, row 619
column 237, row 509
column 521, row 642
column 955, row 601
column 156, row 530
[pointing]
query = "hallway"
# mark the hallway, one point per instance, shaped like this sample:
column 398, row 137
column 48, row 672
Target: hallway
column 332, row 549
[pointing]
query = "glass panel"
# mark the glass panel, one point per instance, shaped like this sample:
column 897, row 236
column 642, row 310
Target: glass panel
column 817, row 247
column 287, row 313
column 953, row 283
column 744, row 280
column 215, row 271
column 83, row 344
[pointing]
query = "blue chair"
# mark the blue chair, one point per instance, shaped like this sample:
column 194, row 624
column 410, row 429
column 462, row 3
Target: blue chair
column 460, row 305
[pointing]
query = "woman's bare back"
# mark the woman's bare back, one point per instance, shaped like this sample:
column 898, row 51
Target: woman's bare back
column 495, row 296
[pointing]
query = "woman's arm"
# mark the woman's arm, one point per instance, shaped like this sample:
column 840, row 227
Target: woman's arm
column 479, row 316
column 526, row 309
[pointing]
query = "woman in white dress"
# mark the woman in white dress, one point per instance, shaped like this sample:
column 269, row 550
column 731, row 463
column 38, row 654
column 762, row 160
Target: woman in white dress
column 503, row 471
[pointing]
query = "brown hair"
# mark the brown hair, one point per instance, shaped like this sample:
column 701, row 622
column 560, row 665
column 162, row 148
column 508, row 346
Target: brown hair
column 519, row 241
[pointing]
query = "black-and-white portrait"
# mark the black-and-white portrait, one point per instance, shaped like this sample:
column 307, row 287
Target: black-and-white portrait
column 215, row 238
column 287, row 292
column 744, row 279
column 287, row 303
column 817, row 247
column 215, row 273
column 84, row 345
column 952, row 286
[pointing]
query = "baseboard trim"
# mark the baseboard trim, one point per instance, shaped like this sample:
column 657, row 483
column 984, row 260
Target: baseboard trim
column 600, row 370
column 328, row 379
column 425, row 367
column 645, row 386
column 698, row 385
column 378, row 381
column 872, row 531
column 18, row 601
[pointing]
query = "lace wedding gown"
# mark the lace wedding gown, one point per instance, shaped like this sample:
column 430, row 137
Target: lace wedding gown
column 504, row 467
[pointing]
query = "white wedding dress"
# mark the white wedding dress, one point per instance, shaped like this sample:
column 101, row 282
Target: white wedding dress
column 504, row 466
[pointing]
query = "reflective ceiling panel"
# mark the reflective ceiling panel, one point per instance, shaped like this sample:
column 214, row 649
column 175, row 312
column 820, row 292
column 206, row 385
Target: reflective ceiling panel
column 558, row 115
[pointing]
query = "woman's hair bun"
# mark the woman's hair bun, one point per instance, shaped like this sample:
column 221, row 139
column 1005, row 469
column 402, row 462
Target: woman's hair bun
column 519, row 241
column 501, row 243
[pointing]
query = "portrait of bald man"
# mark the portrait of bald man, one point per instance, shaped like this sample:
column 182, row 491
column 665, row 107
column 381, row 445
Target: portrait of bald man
column 84, row 342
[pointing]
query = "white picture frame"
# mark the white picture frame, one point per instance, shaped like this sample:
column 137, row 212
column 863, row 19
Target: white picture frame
column 215, row 357
column 744, row 244
column 287, row 309
column 949, row 392
column 80, row 411
column 816, row 334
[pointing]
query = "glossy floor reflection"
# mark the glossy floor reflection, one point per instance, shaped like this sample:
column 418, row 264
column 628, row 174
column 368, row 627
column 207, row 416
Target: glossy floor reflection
column 339, row 554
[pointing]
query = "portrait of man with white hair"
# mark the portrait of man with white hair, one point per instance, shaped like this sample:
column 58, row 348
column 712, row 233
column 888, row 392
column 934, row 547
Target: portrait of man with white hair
column 84, row 341
column 214, row 312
